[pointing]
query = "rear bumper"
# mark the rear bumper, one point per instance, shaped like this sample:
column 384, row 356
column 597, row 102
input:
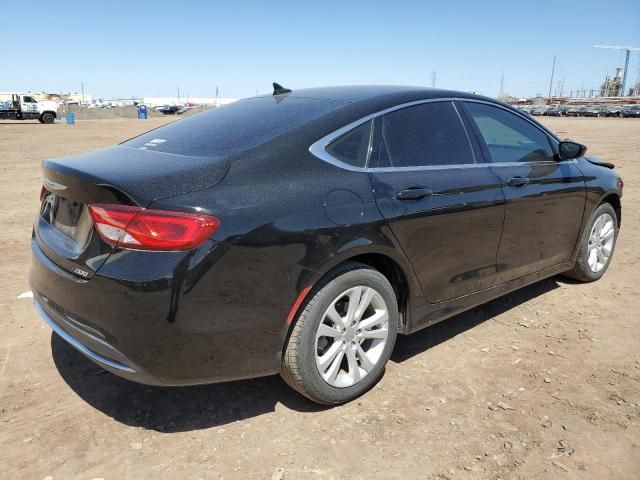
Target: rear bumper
column 104, row 355
column 173, row 318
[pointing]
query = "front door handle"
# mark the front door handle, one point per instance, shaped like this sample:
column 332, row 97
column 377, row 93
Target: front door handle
column 414, row 193
column 518, row 181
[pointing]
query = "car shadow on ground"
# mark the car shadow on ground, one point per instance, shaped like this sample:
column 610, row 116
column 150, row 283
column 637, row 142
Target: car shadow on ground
column 172, row 409
column 182, row 409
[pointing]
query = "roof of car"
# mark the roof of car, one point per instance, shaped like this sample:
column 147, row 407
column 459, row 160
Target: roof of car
column 358, row 93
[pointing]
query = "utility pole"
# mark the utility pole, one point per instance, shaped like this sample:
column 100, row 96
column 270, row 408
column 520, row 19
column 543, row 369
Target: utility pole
column 501, row 86
column 553, row 70
column 178, row 94
column 82, row 90
column 626, row 62
column 433, row 79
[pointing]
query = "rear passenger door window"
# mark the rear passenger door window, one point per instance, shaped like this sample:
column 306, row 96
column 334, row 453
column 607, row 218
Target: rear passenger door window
column 508, row 137
column 425, row 135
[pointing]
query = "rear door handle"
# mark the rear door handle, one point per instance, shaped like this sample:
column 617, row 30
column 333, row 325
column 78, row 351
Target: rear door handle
column 414, row 193
column 518, row 181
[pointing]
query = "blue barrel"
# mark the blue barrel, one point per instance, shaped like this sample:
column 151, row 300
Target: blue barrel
column 142, row 112
column 71, row 119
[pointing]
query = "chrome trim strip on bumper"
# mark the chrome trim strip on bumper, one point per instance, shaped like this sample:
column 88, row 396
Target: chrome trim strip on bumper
column 96, row 357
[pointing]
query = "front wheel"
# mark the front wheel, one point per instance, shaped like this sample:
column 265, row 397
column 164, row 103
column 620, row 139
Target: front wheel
column 342, row 339
column 596, row 245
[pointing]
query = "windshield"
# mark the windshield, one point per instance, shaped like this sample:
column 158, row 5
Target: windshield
column 233, row 128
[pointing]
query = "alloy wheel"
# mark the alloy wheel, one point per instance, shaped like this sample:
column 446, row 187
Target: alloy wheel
column 351, row 336
column 601, row 242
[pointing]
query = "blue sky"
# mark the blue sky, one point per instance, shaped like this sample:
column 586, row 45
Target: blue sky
column 136, row 48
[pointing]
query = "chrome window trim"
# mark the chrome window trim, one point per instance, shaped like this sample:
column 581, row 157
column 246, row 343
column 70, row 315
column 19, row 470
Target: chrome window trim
column 318, row 148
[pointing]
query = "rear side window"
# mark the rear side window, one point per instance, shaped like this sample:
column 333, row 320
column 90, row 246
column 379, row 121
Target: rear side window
column 352, row 147
column 509, row 138
column 233, row 128
column 431, row 134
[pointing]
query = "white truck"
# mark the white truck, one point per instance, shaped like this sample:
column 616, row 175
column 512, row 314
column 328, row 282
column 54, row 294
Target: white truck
column 26, row 107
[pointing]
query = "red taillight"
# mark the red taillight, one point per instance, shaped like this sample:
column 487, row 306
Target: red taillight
column 146, row 229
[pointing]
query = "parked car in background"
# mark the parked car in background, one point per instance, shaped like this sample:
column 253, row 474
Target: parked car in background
column 613, row 110
column 556, row 111
column 172, row 109
column 539, row 110
column 575, row 110
column 594, row 111
column 631, row 111
column 300, row 232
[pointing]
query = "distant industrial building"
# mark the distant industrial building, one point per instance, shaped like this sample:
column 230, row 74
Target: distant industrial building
column 612, row 87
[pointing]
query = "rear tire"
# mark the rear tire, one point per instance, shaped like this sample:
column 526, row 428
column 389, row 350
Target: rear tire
column 47, row 117
column 599, row 237
column 343, row 337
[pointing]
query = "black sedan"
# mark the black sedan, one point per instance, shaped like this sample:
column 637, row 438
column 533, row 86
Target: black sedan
column 556, row 111
column 298, row 233
column 538, row 110
column 594, row 111
column 631, row 111
column 170, row 109
column 575, row 110
column 613, row 110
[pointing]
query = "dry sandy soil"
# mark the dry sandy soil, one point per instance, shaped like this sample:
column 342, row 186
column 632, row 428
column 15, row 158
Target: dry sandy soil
column 543, row 383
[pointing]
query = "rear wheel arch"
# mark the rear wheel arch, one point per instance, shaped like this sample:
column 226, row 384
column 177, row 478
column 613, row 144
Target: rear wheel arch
column 396, row 276
column 614, row 200
column 389, row 267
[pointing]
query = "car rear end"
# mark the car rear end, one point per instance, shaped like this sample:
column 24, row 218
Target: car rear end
column 152, row 294
column 104, row 266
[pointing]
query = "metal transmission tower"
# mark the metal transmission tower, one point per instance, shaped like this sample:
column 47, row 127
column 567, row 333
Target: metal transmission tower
column 553, row 70
column 626, row 62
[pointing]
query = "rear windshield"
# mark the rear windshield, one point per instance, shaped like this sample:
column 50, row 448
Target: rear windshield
column 232, row 128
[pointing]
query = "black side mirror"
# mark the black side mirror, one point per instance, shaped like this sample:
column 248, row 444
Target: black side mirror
column 569, row 150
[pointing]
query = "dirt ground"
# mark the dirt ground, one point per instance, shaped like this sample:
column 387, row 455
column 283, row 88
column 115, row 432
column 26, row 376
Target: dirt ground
column 543, row 383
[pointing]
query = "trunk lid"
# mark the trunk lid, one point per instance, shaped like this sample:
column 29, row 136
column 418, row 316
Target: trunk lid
column 64, row 230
